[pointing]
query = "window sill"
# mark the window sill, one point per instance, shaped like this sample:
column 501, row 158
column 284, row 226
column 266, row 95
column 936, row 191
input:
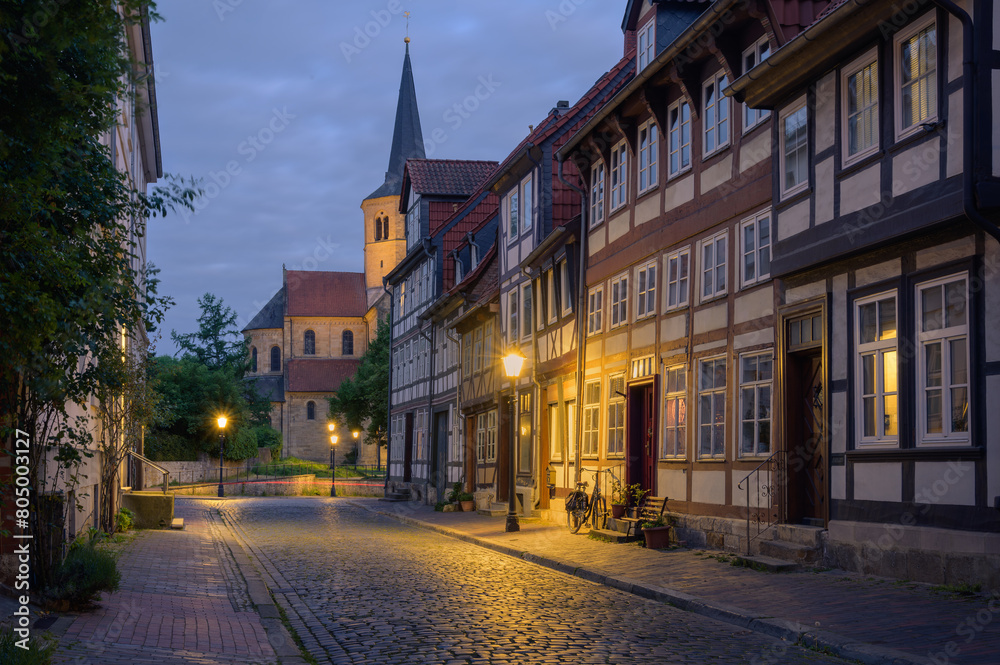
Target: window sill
column 614, row 211
column 760, row 281
column 715, row 153
column 719, row 459
column 859, row 162
column 671, row 177
column 711, row 299
column 928, row 128
column 646, row 192
column 794, row 196
column 763, row 122
column 644, row 317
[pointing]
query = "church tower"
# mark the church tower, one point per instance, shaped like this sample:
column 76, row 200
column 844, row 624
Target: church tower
column 385, row 228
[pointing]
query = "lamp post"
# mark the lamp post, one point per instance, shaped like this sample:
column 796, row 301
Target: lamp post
column 222, row 438
column 512, row 364
column 333, row 460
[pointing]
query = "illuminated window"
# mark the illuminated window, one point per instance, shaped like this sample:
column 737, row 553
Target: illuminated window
column 876, row 372
column 616, row 415
column 675, row 412
column 916, row 73
column 591, row 419
column 861, row 107
column 712, row 407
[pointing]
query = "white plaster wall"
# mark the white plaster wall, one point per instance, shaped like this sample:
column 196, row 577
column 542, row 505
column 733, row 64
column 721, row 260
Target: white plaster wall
column 953, row 164
column 877, row 272
column 754, row 338
column 717, row 174
column 674, row 327
column 647, row 209
column 838, row 422
column 708, row 487
column 991, row 275
column 839, row 336
column 948, row 483
column 644, row 334
column 878, row 482
column 824, row 191
column 672, row 483
column 615, row 343
column 618, row 225
column 838, row 482
column 861, row 190
column 711, row 318
column 945, row 252
column 826, row 100
column 916, row 167
column 678, row 192
column 804, row 292
column 757, row 498
column 708, row 346
column 755, row 150
column 755, row 304
column 793, row 220
column 992, row 440
column 595, row 242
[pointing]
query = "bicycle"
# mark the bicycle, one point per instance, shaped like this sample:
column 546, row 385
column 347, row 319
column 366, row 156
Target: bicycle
column 580, row 507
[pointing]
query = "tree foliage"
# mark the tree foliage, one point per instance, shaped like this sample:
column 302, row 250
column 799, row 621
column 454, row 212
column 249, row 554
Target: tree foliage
column 217, row 343
column 361, row 402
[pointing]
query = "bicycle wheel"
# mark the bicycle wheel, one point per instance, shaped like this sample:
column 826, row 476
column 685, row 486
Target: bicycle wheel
column 576, row 511
column 598, row 513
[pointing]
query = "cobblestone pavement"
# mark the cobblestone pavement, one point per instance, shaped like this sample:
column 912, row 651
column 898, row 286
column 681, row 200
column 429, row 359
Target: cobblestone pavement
column 365, row 588
column 182, row 600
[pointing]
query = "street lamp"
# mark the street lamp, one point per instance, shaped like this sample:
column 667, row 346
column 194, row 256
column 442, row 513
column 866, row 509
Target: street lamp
column 222, row 438
column 333, row 465
column 512, row 364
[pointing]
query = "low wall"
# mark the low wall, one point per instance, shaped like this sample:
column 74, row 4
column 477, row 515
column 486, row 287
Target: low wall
column 152, row 511
column 205, row 469
column 304, row 485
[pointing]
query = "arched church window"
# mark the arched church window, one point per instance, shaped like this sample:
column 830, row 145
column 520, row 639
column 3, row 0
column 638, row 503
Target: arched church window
column 378, row 228
column 310, row 410
column 385, row 228
column 253, row 359
column 347, row 343
column 310, row 343
column 275, row 359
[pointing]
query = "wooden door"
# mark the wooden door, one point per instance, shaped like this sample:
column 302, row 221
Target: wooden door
column 408, row 448
column 641, row 427
column 806, row 454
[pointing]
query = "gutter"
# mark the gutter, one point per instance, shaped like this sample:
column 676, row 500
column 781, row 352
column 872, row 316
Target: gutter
column 680, row 43
column 581, row 317
column 388, row 410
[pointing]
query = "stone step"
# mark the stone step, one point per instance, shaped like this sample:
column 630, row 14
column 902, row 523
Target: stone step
column 799, row 534
column 609, row 536
column 785, row 551
column 177, row 523
column 770, row 564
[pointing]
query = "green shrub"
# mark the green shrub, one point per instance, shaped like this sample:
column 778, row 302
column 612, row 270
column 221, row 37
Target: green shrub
column 85, row 572
column 268, row 437
column 456, row 489
column 39, row 651
column 124, row 520
column 164, row 447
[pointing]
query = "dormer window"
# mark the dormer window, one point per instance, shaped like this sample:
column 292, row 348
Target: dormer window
column 413, row 225
column 459, row 272
column 511, row 210
column 646, row 45
column 473, row 255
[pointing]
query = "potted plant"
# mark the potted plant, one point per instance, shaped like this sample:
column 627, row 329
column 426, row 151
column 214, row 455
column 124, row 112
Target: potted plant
column 468, row 501
column 657, row 533
column 619, row 498
column 637, row 494
column 456, row 489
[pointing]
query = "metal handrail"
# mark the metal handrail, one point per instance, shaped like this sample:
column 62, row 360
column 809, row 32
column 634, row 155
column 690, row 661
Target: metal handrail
column 146, row 460
column 774, row 463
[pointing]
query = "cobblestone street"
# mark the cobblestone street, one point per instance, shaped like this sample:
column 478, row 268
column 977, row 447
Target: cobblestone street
column 359, row 587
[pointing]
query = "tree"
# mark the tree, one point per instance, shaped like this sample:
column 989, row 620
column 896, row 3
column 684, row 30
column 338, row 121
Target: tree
column 69, row 223
column 361, row 402
column 217, row 343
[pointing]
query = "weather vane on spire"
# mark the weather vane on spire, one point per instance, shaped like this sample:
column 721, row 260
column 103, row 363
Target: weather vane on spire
column 407, row 15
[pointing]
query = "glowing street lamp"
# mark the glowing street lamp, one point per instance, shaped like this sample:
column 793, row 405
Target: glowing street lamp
column 512, row 364
column 333, row 464
column 222, row 438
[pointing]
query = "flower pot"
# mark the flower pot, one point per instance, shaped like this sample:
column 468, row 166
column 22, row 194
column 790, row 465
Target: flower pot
column 657, row 537
column 468, row 506
column 617, row 510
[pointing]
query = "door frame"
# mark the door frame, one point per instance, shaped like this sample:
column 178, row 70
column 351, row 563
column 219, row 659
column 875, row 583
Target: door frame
column 818, row 305
column 651, row 383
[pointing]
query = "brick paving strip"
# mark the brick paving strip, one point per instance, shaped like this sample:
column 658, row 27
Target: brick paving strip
column 871, row 620
column 185, row 597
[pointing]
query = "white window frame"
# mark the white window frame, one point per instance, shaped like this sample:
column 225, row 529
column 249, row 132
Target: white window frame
column 645, row 41
column 513, row 315
column 481, row 437
column 760, row 50
column 897, row 46
column 943, row 336
column 616, row 417
column 595, row 310
column 714, row 241
column 619, row 175
column 799, row 105
column 527, row 310
column 527, row 204
column 590, row 440
column 555, row 443
column 618, row 298
column 645, row 290
column 649, row 146
column 869, row 59
column 598, row 182
column 551, row 309
column 877, row 349
column 721, row 126
column 683, row 284
column 759, row 251
column 677, row 401
column 565, row 288
column 676, row 133
column 512, row 220
column 717, row 437
column 760, row 390
column 413, row 224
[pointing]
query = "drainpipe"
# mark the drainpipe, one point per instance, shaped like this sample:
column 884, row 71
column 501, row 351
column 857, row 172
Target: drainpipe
column 458, row 392
column 388, row 412
column 581, row 317
column 537, row 416
column 968, row 119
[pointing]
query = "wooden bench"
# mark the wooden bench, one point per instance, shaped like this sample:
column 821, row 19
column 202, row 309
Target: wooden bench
column 652, row 507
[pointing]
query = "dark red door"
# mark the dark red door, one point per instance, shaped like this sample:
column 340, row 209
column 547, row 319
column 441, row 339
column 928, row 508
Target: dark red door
column 641, row 436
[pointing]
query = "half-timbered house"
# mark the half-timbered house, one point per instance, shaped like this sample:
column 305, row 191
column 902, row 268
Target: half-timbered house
column 887, row 359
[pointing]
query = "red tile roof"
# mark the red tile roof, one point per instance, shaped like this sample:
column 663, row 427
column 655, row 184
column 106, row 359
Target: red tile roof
column 315, row 293
column 447, row 177
column 319, row 375
column 482, row 210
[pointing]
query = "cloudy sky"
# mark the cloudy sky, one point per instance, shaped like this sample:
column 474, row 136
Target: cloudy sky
column 285, row 109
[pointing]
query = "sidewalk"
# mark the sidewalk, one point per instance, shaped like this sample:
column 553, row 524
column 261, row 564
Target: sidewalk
column 873, row 620
column 184, row 598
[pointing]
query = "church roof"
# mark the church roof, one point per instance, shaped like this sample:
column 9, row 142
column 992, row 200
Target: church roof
column 407, row 138
column 271, row 315
column 316, row 293
column 319, row 375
